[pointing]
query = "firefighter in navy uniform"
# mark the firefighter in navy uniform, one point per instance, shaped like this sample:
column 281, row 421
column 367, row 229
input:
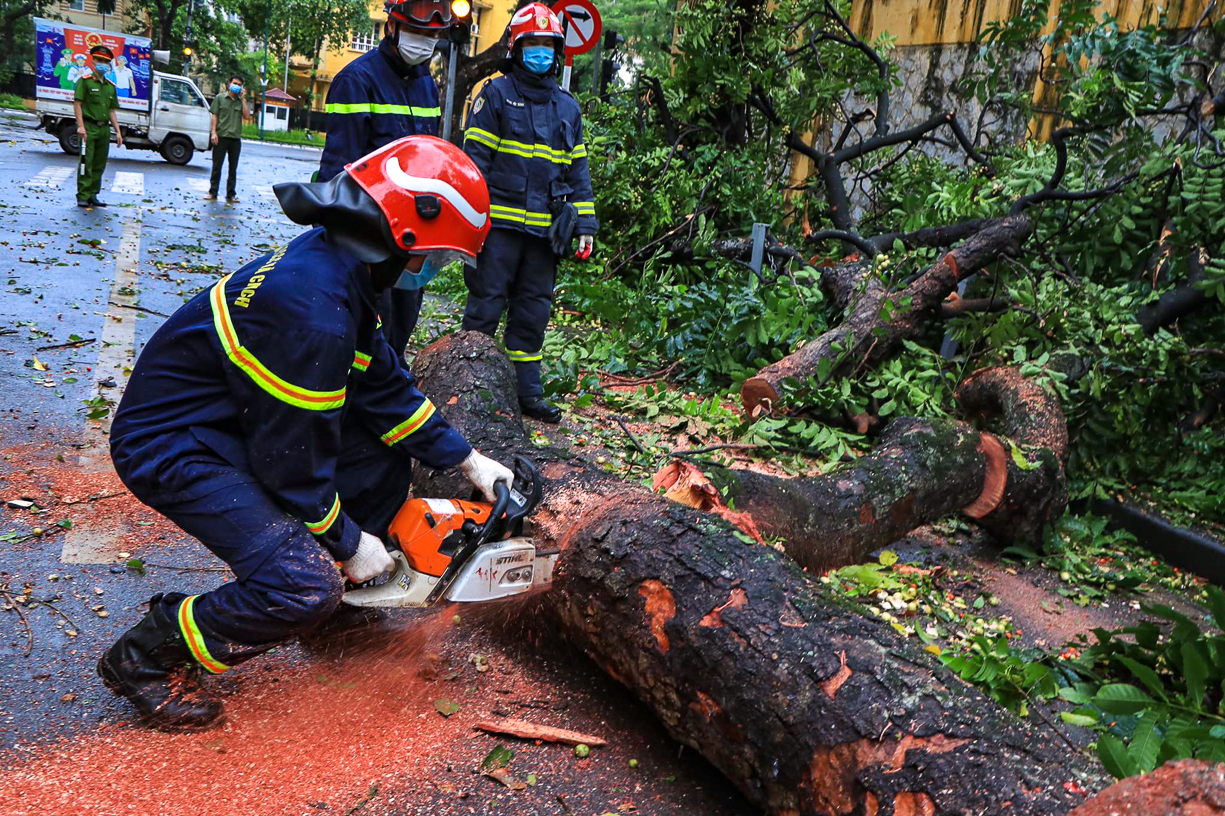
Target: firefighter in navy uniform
column 526, row 135
column 270, row 419
column 384, row 95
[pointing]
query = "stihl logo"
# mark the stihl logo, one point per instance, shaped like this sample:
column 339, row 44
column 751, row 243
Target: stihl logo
column 510, row 559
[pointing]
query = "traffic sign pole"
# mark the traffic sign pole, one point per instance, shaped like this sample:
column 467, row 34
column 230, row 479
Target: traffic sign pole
column 580, row 25
column 566, row 71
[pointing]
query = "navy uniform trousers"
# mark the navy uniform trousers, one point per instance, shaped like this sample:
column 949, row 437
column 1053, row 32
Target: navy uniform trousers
column 286, row 582
column 515, row 273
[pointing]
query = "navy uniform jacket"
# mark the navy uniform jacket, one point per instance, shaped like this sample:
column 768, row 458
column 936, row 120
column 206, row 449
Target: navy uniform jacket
column 377, row 99
column 262, row 369
column 530, row 153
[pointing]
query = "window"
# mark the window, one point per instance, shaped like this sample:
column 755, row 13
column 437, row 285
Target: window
column 75, row 5
column 282, row 113
column 368, row 39
column 179, row 93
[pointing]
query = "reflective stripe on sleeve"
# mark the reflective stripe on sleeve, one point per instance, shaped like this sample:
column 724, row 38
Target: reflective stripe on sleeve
column 375, row 107
column 523, row 356
column 538, row 150
column 323, row 525
column 361, row 362
column 520, row 216
column 194, row 638
column 410, row 425
column 585, row 207
column 257, row 371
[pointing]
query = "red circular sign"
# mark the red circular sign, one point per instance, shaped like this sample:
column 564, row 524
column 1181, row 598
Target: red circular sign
column 581, row 21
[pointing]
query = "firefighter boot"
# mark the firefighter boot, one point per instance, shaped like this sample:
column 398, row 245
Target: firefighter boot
column 152, row 666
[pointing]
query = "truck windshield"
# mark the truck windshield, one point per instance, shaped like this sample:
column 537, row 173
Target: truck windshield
column 178, row 92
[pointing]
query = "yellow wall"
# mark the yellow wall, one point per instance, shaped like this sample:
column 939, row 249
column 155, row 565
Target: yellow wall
column 90, row 17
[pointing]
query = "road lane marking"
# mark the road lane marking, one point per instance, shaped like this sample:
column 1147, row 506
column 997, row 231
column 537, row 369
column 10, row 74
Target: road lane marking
column 91, row 541
column 128, row 183
column 50, row 178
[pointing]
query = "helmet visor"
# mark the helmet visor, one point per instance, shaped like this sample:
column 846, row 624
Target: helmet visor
column 425, row 13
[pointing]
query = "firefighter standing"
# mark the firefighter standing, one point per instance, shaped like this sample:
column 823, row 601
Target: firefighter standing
column 384, row 95
column 270, row 419
column 95, row 103
column 526, row 135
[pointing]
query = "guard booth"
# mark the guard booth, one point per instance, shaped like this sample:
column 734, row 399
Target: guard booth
column 276, row 109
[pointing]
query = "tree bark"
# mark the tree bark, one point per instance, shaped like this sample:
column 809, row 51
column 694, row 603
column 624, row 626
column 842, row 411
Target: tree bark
column 1180, row 301
column 809, row 707
column 468, row 72
column 879, row 320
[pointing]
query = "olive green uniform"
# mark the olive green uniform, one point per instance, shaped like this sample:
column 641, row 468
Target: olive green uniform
column 98, row 99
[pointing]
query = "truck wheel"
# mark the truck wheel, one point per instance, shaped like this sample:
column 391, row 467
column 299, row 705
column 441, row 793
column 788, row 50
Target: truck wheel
column 177, row 150
column 70, row 142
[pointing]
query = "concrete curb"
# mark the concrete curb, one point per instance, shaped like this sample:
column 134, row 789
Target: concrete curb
column 1183, row 548
column 282, row 144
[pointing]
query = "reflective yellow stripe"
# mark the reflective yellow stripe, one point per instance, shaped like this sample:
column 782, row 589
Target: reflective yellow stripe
column 523, row 356
column 585, row 207
column 322, row 526
column 257, row 371
column 410, row 425
column 195, row 640
column 527, row 151
column 375, row 107
column 483, row 136
column 361, row 361
column 579, row 152
column 520, row 216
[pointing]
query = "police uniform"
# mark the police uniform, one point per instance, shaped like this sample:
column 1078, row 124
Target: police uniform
column 526, row 135
column 269, row 418
column 377, row 99
column 98, row 99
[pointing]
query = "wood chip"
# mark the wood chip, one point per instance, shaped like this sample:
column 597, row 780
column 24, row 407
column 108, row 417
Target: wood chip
column 528, row 730
column 504, row 776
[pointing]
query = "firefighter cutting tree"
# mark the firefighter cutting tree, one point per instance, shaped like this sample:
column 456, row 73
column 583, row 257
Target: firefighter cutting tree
column 270, row 419
column 526, row 135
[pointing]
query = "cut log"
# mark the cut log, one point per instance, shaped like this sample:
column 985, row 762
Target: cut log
column 806, row 705
column 1187, row 787
column 919, row 472
column 532, row 731
column 872, row 330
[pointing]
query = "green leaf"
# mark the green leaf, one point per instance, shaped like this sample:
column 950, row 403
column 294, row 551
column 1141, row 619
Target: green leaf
column 1144, row 674
column 1085, row 720
column 1019, row 459
column 446, row 707
column 65, row 524
column 1114, row 756
column 1216, row 604
column 499, row 757
column 137, row 566
column 1145, row 742
column 1120, row 698
column 888, row 558
column 1195, row 670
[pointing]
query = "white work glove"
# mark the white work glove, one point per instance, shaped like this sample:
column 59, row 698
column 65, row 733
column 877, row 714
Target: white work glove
column 585, row 245
column 484, row 473
column 370, row 561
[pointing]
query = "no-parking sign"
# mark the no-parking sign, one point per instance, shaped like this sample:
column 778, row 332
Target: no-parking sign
column 581, row 21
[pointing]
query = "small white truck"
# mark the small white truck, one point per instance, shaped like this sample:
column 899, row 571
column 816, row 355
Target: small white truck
column 157, row 111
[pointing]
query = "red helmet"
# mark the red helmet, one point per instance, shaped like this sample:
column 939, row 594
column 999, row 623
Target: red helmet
column 535, row 20
column 423, row 14
column 431, row 193
column 419, row 195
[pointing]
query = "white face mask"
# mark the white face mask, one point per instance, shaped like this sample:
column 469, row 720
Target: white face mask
column 414, row 48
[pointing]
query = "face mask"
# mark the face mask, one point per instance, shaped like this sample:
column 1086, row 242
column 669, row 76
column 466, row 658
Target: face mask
column 236, row 89
column 414, row 48
column 103, row 68
column 538, row 58
column 417, row 280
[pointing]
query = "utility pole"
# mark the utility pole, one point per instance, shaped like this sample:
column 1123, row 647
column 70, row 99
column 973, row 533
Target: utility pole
column 285, row 81
column 449, row 105
column 188, row 49
column 263, row 74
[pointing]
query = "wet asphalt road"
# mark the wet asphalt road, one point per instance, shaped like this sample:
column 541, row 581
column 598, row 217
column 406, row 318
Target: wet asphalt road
column 83, row 292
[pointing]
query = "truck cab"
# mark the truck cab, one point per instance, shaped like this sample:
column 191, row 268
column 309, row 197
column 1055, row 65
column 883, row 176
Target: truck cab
column 177, row 123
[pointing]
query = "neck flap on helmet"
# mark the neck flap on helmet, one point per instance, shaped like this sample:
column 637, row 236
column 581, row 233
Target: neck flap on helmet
column 351, row 219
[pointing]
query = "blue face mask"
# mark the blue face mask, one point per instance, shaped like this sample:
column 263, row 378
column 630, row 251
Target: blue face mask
column 417, row 280
column 103, row 68
column 539, row 58
column 237, row 89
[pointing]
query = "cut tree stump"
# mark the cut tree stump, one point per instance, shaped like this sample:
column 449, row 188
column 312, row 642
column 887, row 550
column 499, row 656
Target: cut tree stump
column 873, row 329
column 806, row 705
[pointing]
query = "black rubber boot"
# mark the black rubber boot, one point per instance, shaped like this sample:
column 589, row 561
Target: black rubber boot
column 95, row 202
column 152, row 666
column 539, row 408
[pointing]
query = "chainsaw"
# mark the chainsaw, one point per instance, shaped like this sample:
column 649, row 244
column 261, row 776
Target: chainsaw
column 463, row 551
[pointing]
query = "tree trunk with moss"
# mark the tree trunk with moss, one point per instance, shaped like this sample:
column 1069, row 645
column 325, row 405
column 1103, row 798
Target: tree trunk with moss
column 806, row 705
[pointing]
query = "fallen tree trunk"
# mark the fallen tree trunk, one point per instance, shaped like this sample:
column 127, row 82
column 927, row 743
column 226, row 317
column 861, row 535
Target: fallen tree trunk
column 919, row 472
column 1180, row 301
column 806, row 705
column 880, row 320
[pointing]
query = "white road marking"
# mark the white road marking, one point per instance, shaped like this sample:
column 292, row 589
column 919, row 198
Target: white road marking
column 90, row 542
column 197, row 185
column 50, row 178
column 129, row 183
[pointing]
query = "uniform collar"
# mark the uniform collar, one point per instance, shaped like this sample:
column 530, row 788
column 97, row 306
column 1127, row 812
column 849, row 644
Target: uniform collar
column 535, row 87
column 389, row 52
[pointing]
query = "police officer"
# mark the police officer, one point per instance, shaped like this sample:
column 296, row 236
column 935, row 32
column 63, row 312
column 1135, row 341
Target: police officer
column 526, row 135
column 94, row 103
column 382, row 96
column 269, row 418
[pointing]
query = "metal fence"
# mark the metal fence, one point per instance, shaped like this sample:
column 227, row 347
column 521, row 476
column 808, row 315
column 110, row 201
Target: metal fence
column 307, row 120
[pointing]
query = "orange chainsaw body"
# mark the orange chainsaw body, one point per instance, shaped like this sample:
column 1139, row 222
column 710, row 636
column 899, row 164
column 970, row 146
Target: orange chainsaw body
column 430, row 531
